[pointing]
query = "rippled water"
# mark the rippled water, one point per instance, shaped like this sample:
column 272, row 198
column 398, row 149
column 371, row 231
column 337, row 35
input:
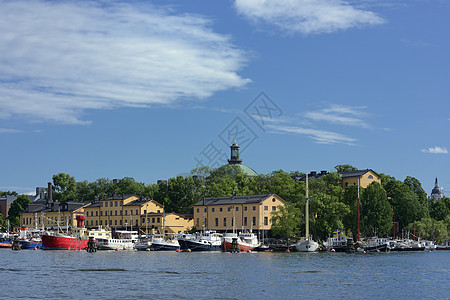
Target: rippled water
column 168, row 275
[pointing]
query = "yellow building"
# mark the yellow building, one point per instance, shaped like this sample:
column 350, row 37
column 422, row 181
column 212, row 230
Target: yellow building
column 172, row 223
column 363, row 177
column 120, row 211
column 51, row 215
column 240, row 212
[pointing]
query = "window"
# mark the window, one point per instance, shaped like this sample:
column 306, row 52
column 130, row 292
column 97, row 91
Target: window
column 145, row 211
column 106, row 204
column 101, row 214
column 254, row 207
column 232, row 222
column 217, row 222
column 273, row 199
column 212, row 209
column 110, row 222
column 346, row 184
column 120, row 212
column 110, row 213
column 158, row 220
column 220, row 209
column 106, row 213
column 205, row 210
column 120, row 221
column 229, row 208
column 137, row 211
column 198, row 210
column 370, row 177
column 126, row 211
column 101, row 204
column 266, row 207
column 121, row 203
column 137, row 222
column 274, row 208
column 96, row 213
column 254, row 221
column 237, row 208
column 101, row 222
column 266, row 221
column 224, row 221
column 115, row 222
column 245, row 221
column 198, row 222
column 115, row 212
column 96, row 222
column 110, row 204
column 131, row 212
column 115, row 203
column 92, row 213
column 245, row 208
column 153, row 220
column 143, row 220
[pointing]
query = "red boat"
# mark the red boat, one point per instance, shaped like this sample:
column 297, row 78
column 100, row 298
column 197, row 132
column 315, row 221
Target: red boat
column 245, row 241
column 77, row 241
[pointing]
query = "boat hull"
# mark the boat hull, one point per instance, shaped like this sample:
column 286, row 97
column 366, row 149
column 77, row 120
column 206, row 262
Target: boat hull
column 307, row 246
column 378, row 248
column 227, row 246
column 164, row 247
column 5, row 245
column 31, row 245
column 50, row 242
column 199, row 246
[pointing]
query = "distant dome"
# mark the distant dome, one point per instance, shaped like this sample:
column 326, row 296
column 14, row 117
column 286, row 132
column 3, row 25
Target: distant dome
column 436, row 193
column 246, row 170
column 236, row 161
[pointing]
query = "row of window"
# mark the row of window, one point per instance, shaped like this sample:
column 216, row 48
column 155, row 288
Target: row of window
column 51, row 220
column 116, row 203
column 216, row 222
column 274, row 208
column 97, row 223
column 115, row 213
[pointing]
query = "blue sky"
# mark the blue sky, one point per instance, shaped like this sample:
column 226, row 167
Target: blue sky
column 152, row 89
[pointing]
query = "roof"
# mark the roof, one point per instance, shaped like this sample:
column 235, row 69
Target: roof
column 138, row 202
column 357, row 173
column 118, row 197
column 250, row 199
column 246, row 170
column 160, row 214
column 54, row 207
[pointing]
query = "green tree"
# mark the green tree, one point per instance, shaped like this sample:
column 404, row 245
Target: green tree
column 102, row 188
column 429, row 229
column 405, row 203
column 64, row 187
column 3, row 223
column 440, row 208
column 345, row 168
column 129, row 186
column 84, row 192
column 416, row 187
column 376, row 211
column 286, row 220
column 17, row 207
column 350, row 220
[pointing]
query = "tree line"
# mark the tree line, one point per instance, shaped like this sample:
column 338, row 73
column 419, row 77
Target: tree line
column 397, row 205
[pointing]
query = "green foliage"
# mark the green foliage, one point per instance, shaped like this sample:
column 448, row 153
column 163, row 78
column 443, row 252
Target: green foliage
column 17, row 207
column 345, row 168
column 415, row 186
column 350, row 220
column 286, row 220
column 64, row 187
column 3, row 223
column 405, row 203
column 8, row 193
column 375, row 211
column 440, row 209
column 429, row 229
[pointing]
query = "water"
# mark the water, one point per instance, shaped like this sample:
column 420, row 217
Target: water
column 168, row 275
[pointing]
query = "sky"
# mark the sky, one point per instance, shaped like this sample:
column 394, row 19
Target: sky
column 154, row 89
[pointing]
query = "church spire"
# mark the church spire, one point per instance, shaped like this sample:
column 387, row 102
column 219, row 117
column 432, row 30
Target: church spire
column 436, row 183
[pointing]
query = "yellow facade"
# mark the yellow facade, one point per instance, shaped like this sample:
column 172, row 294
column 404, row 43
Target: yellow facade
column 120, row 212
column 256, row 216
column 174, row 223
column 364, row 180
column 50, row 219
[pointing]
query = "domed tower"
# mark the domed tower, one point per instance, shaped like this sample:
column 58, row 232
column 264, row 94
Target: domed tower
column 436, row 193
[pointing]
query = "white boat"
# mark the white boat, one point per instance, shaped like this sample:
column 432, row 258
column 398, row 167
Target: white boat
column 124, row 240
column 336, row 243
column 306, row 244
column 161, row 242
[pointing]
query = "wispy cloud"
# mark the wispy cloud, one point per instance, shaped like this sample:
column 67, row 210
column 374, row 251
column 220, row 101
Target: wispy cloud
column 436, row 150
column 307, row 16
column 341, row 115
column 320, row 136
column 62, row 58
column 8, row 130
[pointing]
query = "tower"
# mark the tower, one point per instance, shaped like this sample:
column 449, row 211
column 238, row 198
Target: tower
column 234, row 154
column 436, row 193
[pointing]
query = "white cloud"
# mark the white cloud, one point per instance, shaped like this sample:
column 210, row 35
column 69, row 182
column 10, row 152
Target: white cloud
column 62, row 58
column 320, row 136
column 307, row 16
column 436, row 150
column 341, row 115
column 8, row 130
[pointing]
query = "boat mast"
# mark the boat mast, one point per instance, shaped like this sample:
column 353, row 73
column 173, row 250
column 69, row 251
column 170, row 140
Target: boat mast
column 358, row 209
column 307, row 209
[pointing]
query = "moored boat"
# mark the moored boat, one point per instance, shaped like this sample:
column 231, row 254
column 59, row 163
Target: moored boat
column 123, row 240
column 375, row 244
column 202, row 241
column 336, row 243
column 164, row 243
column 245, row 241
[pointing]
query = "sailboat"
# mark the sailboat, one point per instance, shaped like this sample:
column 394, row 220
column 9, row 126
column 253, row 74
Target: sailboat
column 306, row 244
